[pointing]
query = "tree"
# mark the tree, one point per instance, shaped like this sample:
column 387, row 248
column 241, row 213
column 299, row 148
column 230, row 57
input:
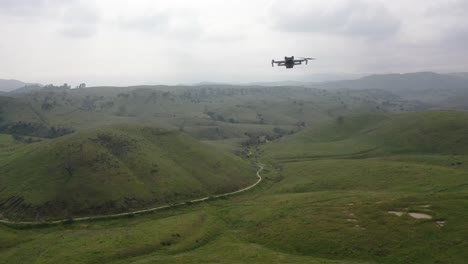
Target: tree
column 340, row 119
column 69, row 168
column 82, row 86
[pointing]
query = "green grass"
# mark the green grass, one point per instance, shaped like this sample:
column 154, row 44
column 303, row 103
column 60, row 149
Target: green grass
column 339, row 181
column 316, row 198
column 369, row 135
column 6, row 141
column 179, row 236
column 298, row 215
column 324, row 198
column 113, row 170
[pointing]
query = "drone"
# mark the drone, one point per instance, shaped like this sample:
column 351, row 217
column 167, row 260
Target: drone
column 289, row 62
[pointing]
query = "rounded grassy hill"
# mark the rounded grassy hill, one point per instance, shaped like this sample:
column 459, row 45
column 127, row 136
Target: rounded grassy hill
column 114, row 169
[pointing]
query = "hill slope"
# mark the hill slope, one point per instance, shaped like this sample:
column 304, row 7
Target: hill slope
column 10, row 85
column 442, row 132
column 114, row 170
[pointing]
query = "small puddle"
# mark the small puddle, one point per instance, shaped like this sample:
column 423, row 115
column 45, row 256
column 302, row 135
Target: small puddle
column 395, row 213
column 420, row 216
column 440, row 223
column 425, row 206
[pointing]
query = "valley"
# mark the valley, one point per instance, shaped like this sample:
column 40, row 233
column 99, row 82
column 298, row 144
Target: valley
column 229, row 174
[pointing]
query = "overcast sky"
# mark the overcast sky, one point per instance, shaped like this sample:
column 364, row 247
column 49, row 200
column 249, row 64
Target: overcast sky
column 118, row 42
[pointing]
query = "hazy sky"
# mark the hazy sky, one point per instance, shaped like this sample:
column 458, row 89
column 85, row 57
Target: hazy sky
column 117, row 42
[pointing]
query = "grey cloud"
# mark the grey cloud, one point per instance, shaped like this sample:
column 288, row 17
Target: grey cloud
column 449, row 24
column 150, row 23
column 167, row 23
column 71, row 17
column 32, row 8
column 78, row 31
column 450, row 8
column 79, row 21
column 223, row 38
column 8, row 5
column 349, row 18
column 455, row 39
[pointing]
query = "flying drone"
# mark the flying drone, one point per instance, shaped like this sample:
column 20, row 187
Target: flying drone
column 289, row 62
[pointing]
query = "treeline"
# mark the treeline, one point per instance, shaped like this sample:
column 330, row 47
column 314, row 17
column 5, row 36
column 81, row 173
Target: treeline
column 257, row 138
column 100, row 101
column 34, row 130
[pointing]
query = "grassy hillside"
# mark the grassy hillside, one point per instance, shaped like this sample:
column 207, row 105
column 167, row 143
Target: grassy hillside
column 194, row 109
column 443, row 132
column 338, row 183
column 331, row 205
column 113, row 170
column 343, row 162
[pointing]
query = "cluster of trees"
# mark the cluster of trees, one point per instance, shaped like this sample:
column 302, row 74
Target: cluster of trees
column 34, row 129
column 25, row 139
column 117, row 145
column 261, row 137
column 218, row 117
column 64, row 86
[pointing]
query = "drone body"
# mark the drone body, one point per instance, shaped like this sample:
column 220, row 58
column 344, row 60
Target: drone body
column 289, row 62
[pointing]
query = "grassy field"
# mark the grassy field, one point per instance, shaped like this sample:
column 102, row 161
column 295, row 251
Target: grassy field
column 325, row 198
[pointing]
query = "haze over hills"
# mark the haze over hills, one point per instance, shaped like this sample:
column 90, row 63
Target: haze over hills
column 463, row 75
column 407, row 81
column 28, row 88
column 437, row 90
column 10, row 85
column 15, row 86
column 401, row 84
column 445, row 91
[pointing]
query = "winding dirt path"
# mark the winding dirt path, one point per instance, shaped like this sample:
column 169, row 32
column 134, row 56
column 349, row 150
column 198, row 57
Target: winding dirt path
column 261, row 166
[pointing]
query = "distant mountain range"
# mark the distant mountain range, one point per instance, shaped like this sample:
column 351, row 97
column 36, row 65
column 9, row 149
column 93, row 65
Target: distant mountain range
column 448, row 90
column 27, row 89
column 440, row 90
column 12, row 85
column 401, row 84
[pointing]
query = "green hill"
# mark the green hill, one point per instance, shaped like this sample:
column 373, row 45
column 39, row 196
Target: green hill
column 441, row 132
column 114, row 169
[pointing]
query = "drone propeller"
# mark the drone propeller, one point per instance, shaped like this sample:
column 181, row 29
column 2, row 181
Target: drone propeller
column 307, row 58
